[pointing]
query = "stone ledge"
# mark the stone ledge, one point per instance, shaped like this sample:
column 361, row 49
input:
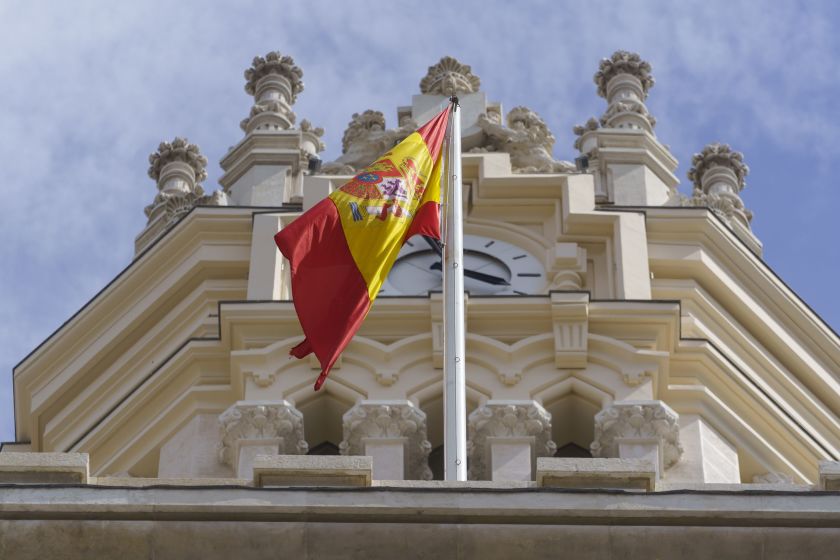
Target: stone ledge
column 624, row 474
column 139, row 482
column 44, row 468
column 312, row 470
column 829, row 475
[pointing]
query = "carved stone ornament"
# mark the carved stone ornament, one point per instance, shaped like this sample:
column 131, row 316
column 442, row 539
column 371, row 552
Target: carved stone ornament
column 177, row 167
column 246, row 422
column 717, row 155
column 378, row 420
column 315, row 133
column 624, row 80
column 364, row 140
column 284, row 118
column 506, row 420
column 526, row 138
column 718, row 174
column 274, row 63
column 181, row 150
column 623, row 62
column 635, row 421
column 449, row 77
column 581, row 129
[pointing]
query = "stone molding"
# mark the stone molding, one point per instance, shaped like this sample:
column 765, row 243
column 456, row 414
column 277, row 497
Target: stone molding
column 388, row 420
column 773, row 478
column 449, row 77
column 526, row 138
column 511, row 419
column 634, row 421
column 718, row 174
column 366, row 139
column 254, row 422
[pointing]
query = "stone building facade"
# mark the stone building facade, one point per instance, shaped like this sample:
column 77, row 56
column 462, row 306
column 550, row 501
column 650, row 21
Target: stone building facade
column 642, row 384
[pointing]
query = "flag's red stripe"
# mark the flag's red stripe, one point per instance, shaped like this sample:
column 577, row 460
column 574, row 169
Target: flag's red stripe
column 426, row 221
column 330, row 294
column 433, row 133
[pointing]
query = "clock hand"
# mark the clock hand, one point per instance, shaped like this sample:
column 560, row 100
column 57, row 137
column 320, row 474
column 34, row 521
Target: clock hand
column 436, row 245
column 480, row 276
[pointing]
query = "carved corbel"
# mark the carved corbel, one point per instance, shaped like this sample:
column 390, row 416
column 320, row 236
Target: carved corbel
column 505, row 437
column 570, row 318
column 638, row 429
column 394, row 434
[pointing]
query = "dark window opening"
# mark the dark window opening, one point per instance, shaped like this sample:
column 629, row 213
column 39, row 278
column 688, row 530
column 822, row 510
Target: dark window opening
column 572, row 450
column 324, row 448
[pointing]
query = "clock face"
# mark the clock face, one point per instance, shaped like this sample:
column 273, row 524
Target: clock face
column 491, row 267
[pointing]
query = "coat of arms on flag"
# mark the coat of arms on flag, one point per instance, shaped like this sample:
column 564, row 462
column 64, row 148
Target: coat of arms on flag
column 342, row 249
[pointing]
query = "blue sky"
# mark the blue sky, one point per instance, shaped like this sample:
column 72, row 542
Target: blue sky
column 90, row 88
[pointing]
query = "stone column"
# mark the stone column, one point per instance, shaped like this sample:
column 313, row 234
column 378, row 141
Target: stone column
column 638, row 430
column 394, row 434
column 505, row 438
column 177, row 168
column 249, row 429
column 718, row 174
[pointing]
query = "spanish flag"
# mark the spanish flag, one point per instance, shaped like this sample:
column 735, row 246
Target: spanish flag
column 342, row 249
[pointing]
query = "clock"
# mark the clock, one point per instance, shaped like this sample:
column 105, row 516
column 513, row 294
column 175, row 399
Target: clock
column 491, row 267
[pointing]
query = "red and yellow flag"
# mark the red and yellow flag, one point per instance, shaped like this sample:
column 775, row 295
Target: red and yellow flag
column 342, row 249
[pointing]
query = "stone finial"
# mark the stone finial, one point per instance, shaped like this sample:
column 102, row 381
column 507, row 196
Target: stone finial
column 274, row 64
column 275, row 83
column 718, row 155
column 364, row 140
column 312, row 137
column 624, row 81
column 718, row 174
column 526, row 138
column 581, row 129
column 389, row 421
column 278, row 426
column 177, row 167
column 506, row 420
column 623, row 62
column 634, row 422
column 449, row 77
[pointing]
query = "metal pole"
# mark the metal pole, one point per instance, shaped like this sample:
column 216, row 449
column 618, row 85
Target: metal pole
column 455, row 394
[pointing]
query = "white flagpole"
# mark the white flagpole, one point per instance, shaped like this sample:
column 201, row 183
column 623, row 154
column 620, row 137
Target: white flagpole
column 454, row 394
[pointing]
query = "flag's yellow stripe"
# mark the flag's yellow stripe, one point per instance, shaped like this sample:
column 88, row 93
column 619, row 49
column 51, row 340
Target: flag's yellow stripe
column 375, row 242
